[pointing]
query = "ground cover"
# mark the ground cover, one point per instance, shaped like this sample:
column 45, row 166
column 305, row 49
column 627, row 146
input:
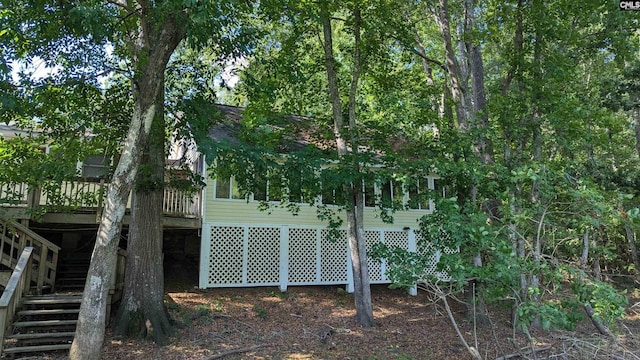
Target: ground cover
column 317, row 323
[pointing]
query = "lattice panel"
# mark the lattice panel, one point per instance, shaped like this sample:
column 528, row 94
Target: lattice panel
column 263, row 257
column 225, row 256
column 333, row 257
column 397, row 238
column 302, row 255
column 375, row 267
column 426, row 248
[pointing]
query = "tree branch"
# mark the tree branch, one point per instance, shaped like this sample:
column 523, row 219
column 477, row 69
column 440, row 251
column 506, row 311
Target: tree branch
column 233, row 351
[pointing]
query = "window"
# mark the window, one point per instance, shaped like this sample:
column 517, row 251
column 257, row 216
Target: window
column 329, row 196
column 419, row 194
column 369, row 194
column 391, row 192
column 95, row 166
column 227, row 188
column 267, row 190
column 223, row 187
column 274, row 189
column 439, row 188
column 260, row 191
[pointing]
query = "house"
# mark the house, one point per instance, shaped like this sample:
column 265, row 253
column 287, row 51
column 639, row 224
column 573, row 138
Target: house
column 67, row 214
column 243, row 246
column 237, row 243
column 45, row 255
column 234, row 242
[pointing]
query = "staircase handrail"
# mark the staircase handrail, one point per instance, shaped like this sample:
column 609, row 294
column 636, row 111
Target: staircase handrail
column 46, row 258
column 32, row 234
column 17, row 287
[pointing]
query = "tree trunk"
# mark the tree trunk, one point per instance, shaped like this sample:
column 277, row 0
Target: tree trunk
column 87, row 343
column 459, row 89
column 354, row 210
column 631, row 240
column 588, row 309
column 151, row 51
column 142, row 312
column 636, row 116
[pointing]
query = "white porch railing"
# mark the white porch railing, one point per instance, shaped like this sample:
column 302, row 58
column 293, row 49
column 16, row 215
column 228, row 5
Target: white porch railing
column 181, row 203
column 88, row 195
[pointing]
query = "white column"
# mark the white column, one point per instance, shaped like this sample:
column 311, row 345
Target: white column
column 205, row 249
column 245, row 253
column 205, row 245
column 412, row 246
column 284, row 257
column 318, row 256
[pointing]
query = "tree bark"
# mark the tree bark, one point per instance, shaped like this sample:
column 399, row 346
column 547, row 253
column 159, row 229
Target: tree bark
column 631, row 240
column 354, row 210
column 636, row 116
column 517, row 60
column 588, row 309
column 142, row 312
column 92, row 317
column 459, row 89
column 151, row 49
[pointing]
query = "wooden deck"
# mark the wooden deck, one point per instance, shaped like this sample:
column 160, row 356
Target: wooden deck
column 80, row 202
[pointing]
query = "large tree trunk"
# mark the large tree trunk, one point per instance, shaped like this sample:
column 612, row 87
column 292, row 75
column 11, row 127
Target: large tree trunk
column 459, row 89
column 468, row 117
column 151, row 49
column 142, row 312
column 87, row 343
column 354, row 210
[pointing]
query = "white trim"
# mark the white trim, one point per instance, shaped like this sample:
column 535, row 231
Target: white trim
column 205, row 242
column 413, row 247
column 284, row 258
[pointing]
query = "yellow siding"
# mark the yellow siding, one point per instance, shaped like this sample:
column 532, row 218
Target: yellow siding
column 241, row 212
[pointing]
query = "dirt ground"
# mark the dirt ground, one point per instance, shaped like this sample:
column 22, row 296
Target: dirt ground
column 317, row 323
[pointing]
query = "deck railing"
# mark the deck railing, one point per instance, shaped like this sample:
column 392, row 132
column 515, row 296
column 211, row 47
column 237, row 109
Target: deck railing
column 15, row 194
column 181, row 203
column 88, row 195
column 14, row 238
column 18, row 286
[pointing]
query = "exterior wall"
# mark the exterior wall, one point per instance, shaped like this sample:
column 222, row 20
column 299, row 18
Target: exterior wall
column 243, row 212
column 245, row 247
column 242, row 255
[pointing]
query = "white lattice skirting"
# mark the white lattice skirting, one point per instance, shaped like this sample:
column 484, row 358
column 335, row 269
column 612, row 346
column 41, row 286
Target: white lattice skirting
column 249, row 255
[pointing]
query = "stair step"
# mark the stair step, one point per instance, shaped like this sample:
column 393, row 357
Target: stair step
column 68, row 279
column 36, row 348
column 76, row 285
column 55, row 296
column 36, row 323
column 51, row 300
column 47, row 312
column 44, row 336
column 74, row 265
column 71, row 269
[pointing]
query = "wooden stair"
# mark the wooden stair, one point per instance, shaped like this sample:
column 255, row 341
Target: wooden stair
column 72, row 272
column 44, row 323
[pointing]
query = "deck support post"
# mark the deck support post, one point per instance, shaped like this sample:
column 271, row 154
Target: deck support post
column 284, row 257
column 413, row 247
